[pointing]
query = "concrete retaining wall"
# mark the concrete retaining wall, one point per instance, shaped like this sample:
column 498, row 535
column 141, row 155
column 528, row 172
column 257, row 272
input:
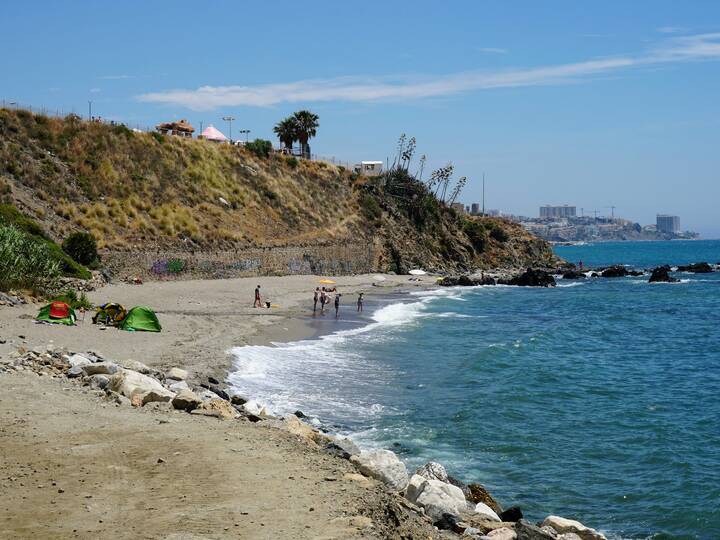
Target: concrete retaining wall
column 332, row 259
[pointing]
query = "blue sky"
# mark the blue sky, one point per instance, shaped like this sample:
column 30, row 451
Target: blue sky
column 593, row 104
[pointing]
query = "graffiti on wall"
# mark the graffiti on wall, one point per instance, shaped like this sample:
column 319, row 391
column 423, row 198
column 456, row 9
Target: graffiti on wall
column 168, row 267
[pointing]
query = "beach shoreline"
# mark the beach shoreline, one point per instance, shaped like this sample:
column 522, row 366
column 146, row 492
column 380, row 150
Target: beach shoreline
column 289, row 486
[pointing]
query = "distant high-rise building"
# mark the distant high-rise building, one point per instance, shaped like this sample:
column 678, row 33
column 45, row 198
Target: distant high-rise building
column 564, row 211
column 667, row 223
column 460, row 207
column 475, row 208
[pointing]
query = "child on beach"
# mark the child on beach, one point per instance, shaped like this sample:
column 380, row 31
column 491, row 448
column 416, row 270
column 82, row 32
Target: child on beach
column 323, row 301
column 316, row 297
column 257, row 302
column 337, row 304
column 360, row 302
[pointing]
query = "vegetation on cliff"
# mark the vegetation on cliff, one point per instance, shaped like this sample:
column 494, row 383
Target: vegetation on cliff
column 147, row 191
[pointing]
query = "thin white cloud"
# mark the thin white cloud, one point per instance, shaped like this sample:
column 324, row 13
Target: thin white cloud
column 493, row 50
column 94, row 90
column 116, row 77
column 361, row 89
column 671, row 29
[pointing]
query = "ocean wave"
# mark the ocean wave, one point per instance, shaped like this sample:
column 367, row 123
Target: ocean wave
column 575, row 284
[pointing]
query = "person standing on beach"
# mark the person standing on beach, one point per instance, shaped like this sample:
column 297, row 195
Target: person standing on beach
column 337, row 304
column 323, row 301
column 257, row 302
column 360, row 302
column 316, row 297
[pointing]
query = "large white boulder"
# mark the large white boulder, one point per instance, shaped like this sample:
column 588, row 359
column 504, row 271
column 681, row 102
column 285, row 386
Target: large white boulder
column 128, row 382
column 255, row 408
column 436, row 497
column 486, row 512
column 563, row 525
column 101, row 368
column 503, row 533
column 382, row 465
column 78, row 360
column 177, row 373
column 433, row 471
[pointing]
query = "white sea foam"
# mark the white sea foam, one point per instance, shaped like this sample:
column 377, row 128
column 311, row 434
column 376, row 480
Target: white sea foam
column 311, row 374
column 574, row 284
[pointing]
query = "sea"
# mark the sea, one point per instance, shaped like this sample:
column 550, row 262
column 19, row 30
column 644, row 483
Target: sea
column 597, row 400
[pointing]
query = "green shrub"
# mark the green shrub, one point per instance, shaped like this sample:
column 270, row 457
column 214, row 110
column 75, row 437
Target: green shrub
column 9, row 215
column 260, row 147
column 81, row 246
column 292, row 161
column 370, row 207
column 68, row 266
column 499, row 234
column 71, row 298
column 26, row 262
column 159, row 137
column 476, row 233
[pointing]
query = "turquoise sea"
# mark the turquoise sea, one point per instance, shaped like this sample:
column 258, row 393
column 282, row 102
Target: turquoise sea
column 597, row 400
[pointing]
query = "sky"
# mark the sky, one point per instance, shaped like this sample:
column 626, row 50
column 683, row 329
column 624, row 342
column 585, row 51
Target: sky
column 594, row 104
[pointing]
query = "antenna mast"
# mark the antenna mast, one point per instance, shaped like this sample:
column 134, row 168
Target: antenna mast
column 483, row 198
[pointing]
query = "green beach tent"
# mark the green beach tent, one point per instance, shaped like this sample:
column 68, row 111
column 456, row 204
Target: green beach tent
column 141, row 318
column 57, row 313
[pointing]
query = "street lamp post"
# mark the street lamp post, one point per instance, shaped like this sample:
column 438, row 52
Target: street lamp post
column 89, row 110
column 229, row 120
column 246, row 132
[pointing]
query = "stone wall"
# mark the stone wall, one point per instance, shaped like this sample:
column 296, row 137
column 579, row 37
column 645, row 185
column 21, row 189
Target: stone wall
column 331, row 259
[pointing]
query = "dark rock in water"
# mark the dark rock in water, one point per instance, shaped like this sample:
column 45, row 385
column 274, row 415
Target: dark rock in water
column 594, row 274
column 253, row 418
column 696, row 268
column 511, row 514
column 216, row 390
column 619, row 271
column 478, row 494
column 300, row 414
column 465, row 281
column 527, row 531
column 573, row 274
column 213, row 380
column 660, row 274
column 532, row 278
column 449, row 522
column 236, row 399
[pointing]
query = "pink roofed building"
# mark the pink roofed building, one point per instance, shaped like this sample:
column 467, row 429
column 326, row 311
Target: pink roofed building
column 211, row 133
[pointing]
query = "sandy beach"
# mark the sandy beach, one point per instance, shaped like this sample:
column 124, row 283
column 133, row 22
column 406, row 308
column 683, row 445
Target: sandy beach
column 76, row 466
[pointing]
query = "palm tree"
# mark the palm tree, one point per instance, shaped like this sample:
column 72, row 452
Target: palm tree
column 287, row 131
column 307, row 124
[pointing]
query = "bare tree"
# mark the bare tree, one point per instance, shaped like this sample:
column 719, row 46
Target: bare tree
column 457, row 189
column 422, row 166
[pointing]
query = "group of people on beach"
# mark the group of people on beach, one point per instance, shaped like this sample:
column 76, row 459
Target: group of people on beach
column 322, row 295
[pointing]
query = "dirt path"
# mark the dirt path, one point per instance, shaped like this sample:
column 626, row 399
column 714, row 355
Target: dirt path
column 74, row 465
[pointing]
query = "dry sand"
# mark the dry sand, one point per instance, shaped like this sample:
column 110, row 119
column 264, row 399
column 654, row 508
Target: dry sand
column 74, row 465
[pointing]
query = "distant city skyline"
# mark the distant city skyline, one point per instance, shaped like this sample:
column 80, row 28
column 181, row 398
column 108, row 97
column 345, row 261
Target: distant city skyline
column 612, row 103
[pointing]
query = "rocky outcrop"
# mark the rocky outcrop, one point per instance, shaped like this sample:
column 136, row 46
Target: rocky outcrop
column 486, row 512
column 532, row 278
column 527, row 531
column 661, row 274
column 619, row 271
column 465, row 281
column 382, row 465
column 478, row 494
column 186, row 400
column 696, row 268
column 514, row 513
column 573, row 274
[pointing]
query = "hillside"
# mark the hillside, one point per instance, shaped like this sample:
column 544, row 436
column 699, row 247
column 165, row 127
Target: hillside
column 145, row 192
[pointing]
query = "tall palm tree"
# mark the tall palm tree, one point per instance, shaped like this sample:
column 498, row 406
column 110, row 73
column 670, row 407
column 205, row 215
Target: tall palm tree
column 307, row 124
column 287, row 131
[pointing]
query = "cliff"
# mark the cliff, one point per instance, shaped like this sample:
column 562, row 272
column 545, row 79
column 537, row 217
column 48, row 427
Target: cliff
column 165, row 199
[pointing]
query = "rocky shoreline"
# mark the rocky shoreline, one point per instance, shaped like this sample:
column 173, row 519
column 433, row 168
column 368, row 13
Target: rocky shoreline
column 450, row 506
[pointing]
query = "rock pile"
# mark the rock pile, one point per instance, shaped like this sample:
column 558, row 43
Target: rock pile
column 661, row 275
column 696, row 268
column 449, row 504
